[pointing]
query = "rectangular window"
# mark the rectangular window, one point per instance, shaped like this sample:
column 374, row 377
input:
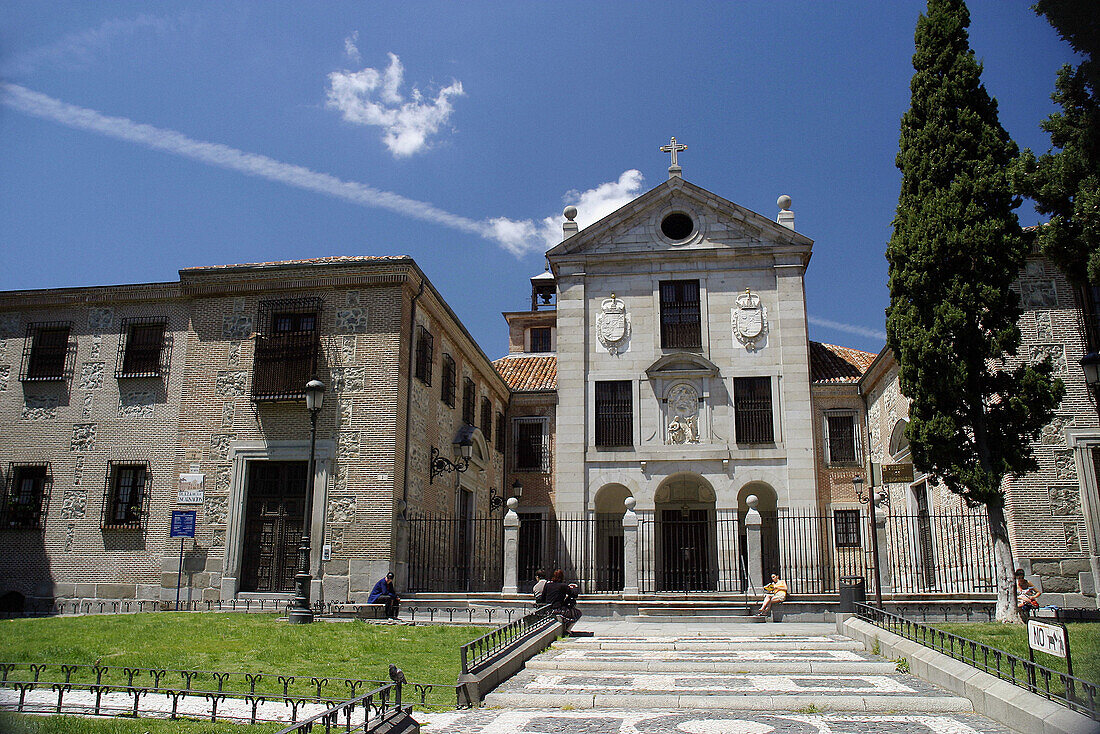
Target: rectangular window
column 125, row 498
column 468, row 401
column 448, row 389
column 500, row 432
column 26, row 496
column 532, row 442
column 680, row 322
column 846, row 524
column 841, row 440
column 752, row 407
column 424, row 343
column 46, row 352
column 487, row 419
column 614, row 413
column 540, row 339
column 286, row 348
column 141, row 348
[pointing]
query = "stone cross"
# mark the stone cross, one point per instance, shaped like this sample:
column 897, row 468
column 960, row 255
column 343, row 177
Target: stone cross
column 673, row 147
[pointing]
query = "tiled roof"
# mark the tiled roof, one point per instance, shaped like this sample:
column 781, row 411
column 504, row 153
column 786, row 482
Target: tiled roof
column 832, row 364
column 308, row 261
column 529, row 372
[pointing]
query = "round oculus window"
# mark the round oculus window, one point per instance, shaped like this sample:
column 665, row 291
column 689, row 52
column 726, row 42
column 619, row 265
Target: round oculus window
column 677, row 226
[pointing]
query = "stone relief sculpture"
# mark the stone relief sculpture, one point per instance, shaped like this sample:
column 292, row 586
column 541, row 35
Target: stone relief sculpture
column 613, row 325
column 750, row 320
column 683, row 406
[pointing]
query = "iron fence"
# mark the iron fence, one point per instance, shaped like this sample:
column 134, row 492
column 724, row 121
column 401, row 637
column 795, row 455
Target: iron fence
column 1070, row 691
column 455, row 554
column 478, row 651
column 812, row 554
column 588, row 548
column 378, row 713
column 691, row 550
column 941, row 553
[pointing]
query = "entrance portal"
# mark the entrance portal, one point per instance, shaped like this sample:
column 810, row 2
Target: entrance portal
column 686, row 543
column 274, row 512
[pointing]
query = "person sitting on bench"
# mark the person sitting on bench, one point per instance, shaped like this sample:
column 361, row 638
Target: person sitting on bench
column 384, row 593
column 775, row 593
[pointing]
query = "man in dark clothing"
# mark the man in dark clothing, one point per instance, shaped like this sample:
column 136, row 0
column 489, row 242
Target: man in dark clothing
column 384, row 593
column 562, row 598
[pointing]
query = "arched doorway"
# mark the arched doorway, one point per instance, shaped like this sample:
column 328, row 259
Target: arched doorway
column 687, row 550
column 609, row 506
column 766, row 505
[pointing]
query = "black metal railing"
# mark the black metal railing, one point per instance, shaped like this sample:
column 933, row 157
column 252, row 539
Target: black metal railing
column 691, row 550
column 1070, row 691
column 588, row 548
column 284, row 363
column 451, row 554
column 377, row 709
column 807, row 554
column 476, row 652
column 945, row 553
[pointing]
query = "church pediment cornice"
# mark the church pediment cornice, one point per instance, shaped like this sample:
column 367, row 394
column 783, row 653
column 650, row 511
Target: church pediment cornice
column 682, row 364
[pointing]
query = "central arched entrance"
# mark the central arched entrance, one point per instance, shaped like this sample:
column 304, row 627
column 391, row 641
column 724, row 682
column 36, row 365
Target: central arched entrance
column 686, row 543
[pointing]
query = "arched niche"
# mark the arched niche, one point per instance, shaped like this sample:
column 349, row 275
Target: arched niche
column 609, row 504
column 610, row 499
column 767, row 506
column 686, row 534
column 766, row 496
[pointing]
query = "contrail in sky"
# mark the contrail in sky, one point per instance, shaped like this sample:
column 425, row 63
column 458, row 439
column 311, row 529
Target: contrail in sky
column 849, row 328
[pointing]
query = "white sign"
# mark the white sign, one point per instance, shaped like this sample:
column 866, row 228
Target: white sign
column 191, row 489
column 1048, row 638
column 326, row 552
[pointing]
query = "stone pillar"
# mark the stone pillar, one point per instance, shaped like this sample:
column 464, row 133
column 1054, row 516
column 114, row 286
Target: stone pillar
column 630, row 548
column 884, row 576
column 511, row 548
column 753, row 546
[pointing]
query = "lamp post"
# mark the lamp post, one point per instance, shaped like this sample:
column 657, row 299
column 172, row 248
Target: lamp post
column 300, row 612
column 496, row 501
column 871, row 502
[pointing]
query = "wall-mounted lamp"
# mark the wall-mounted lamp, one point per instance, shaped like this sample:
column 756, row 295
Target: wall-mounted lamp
column 497, row 501
column 441, row 464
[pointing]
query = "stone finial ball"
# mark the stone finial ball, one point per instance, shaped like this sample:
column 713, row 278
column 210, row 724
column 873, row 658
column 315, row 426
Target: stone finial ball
column 512, row 503
column 783, row 202
column 630, row 502
column 752, row 501
column 570, row 213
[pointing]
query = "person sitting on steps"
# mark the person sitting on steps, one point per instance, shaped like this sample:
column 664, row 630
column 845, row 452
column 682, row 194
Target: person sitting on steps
column 540, row 585
column 774, row 593
column 562, row 598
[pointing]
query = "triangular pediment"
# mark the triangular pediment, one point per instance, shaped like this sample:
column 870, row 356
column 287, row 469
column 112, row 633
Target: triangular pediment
column 682, row 364
column 717, row 223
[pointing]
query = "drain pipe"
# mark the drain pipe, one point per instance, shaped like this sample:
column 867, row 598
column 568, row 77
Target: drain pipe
column 408, row 410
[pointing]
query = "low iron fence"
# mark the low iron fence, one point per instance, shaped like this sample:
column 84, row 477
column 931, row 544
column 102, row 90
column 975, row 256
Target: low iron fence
column 377, row 710
column 476, row 652
column 1070, row 691
column 450, row 554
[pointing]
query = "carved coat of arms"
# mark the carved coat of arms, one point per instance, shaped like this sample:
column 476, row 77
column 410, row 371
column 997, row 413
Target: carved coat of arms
column 750, row 320
column 613, row 326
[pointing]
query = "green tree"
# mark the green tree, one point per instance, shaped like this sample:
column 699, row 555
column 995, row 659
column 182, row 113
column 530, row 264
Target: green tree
column 1066, row 184
column 956, row 249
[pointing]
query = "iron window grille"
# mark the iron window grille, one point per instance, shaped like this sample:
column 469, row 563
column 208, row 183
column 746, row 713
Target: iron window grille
column 532, row 442
column 680, row 321
column 500, row 432
column 26, row 496
column 753, row 409
column 614, row 414
column 468, row 401
column 144, row 348
column 540, row 339
column 846, row 528
column 487, row 419
column 450, row 375
column 424, row 342
column 287, row 352
column 48, row 353
column 841, row 439
column 126, row 496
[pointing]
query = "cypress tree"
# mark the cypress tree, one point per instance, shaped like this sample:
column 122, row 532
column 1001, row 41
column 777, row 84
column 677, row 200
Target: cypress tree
column 955, row 251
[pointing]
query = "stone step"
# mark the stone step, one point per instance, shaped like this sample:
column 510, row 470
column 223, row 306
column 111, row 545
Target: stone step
column 697, row 610
column 790, row 703
column 704, row 644
column 698, row 619
column 554, row 665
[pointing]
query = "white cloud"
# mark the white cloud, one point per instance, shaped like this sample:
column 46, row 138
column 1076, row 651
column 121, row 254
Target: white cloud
column 523, row 236
column 374, row 98
column 81, row 48
column 351, row 50
column 847, row 328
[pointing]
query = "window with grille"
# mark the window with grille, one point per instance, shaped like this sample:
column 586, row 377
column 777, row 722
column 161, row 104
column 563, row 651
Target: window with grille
column 846, row 524
column 286, row 349
column 46, row 353
column 680, row 322
column 126, row 496
column 841, row 439
column 614, row 413
column 540, row 339
column 487, row 419
column 424, row 342
column 752, row 408
column 500, row 432
column 448, row 389
column 142, row 348
column 26, row 495
column 468, row 401
column 532, row 442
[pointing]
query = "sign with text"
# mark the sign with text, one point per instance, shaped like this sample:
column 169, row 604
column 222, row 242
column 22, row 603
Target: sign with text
column 191, row 489
column 897, row 473
column 1048, row 638
column 183, row 524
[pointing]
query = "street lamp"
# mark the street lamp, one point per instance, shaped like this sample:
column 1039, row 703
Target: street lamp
column 872, row 501
column 1090, row 363
column 300, row 612
column 496, row 501
column 440, row 464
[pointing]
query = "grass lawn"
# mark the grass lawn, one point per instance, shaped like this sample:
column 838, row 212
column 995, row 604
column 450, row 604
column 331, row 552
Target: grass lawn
column 241, row 643
column 21, row 724
column 1084, row 645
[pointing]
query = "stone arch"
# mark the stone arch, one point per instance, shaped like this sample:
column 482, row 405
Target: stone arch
column 599, row 480
column 609, row 499
column 899, row 442
column 608, row 543
column 767, row 506
column 685, row 542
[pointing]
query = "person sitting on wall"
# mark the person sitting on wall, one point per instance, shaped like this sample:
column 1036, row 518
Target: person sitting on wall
column 540, row 586
column 774, row 593
column 384, row 593
column 562, row 598
column 1026, row 594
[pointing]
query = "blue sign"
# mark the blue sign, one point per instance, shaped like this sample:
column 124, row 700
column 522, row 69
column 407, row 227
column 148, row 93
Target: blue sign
column 183, row 524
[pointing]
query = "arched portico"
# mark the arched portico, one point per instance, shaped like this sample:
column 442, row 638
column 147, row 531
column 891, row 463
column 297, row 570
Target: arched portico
column 685, row 542
column 609, row 504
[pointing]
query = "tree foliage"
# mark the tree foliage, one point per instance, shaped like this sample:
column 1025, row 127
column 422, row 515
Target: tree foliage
column 957, row 247
column 1065, row 184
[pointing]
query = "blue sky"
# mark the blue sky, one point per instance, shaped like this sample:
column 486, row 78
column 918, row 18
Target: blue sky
column 139, row 138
